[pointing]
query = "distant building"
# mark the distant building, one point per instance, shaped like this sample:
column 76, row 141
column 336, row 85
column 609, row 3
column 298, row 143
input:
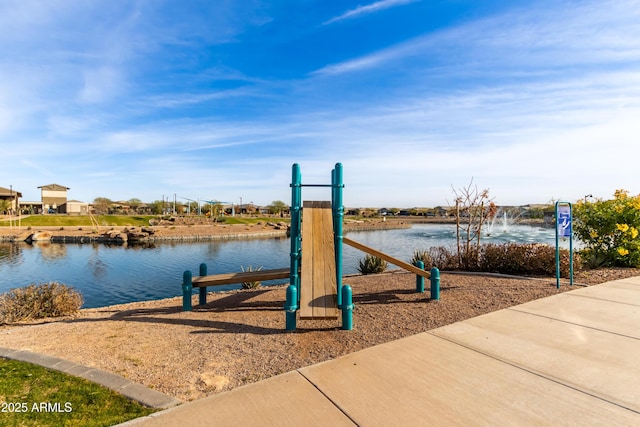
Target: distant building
column 76, row 207
column 53, row 196
column 12, row 197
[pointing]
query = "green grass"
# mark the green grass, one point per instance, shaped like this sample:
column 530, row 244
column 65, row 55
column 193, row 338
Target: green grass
column 82, row 221
column 31, row 395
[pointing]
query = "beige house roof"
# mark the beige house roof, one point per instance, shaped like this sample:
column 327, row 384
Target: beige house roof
column 54, row 187
column 8, row 192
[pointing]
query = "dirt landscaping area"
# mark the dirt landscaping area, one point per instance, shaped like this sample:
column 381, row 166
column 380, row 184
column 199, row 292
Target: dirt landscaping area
column 239, row 337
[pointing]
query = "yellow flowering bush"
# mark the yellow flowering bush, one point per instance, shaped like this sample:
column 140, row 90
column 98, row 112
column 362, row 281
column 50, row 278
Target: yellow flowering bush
column 609, row 230
column 622, row 227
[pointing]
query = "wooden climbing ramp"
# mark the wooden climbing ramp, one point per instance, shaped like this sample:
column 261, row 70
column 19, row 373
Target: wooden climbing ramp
column 318, row 268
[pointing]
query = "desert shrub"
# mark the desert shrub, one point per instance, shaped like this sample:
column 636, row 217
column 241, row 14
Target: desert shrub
column 609, row 230
column 372, row 265
column 254, row 284
column 39, row 301
column 424, row 256
column 443, row 258
column 509, row 258
column 528, row 259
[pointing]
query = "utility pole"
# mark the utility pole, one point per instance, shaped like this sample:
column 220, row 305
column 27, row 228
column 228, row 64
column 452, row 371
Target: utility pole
column 11, row 207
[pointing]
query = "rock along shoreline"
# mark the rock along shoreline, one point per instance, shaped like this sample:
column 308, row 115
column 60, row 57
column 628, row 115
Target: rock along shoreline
column 159, row 234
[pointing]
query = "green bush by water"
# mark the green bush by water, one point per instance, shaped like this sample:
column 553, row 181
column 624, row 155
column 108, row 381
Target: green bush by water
column 254, row 284
column 372, row 265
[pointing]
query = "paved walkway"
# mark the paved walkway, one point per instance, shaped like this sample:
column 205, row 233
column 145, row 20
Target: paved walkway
column 571, row 359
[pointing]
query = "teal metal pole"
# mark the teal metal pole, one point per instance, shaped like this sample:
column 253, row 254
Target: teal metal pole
column 347, row 308
column 293, row 290
column 296, row 203
column 420, row 279
column 337, row 185
column 571, row 246
column 291, row 306
column 557, row 248
column 187, row 287
column 435, row 284
column 202, row 297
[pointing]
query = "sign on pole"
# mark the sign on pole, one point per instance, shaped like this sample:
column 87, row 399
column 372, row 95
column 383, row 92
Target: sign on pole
column 564, row 220
column 564, row 229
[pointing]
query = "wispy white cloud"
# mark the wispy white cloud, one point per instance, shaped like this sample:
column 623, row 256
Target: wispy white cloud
column 570, row 34
column 368, row 9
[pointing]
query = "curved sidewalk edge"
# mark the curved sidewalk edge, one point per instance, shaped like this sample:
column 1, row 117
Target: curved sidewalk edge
column 117, row 383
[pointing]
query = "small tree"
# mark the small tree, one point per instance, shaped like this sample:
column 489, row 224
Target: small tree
column 157, row 207
column 472, row 208
column 609, row 230
column 277, row 207
column 4, row 206
column 102, row 205
column 134, row 203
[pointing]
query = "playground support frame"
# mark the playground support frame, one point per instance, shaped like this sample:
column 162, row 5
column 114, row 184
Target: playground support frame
column 337, row 210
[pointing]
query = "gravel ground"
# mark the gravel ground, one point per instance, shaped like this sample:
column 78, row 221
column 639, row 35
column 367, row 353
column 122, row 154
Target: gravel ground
column 239, row 337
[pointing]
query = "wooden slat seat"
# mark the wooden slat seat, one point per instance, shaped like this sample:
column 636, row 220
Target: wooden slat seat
column 245, row 276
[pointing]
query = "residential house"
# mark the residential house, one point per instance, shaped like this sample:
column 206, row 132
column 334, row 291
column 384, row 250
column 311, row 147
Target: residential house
column 54, row 197
column 76, row 207
column 12, row 197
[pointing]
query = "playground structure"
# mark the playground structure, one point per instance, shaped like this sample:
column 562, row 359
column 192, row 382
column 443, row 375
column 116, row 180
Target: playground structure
column 315, row 273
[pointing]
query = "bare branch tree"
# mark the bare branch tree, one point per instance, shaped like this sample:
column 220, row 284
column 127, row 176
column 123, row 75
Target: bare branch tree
column 473, row 208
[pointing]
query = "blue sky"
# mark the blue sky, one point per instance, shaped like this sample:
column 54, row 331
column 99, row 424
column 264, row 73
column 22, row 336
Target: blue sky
column 534, row 100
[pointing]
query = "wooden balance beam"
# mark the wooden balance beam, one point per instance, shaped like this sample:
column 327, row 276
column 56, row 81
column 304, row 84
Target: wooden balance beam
column 202, row 282
column 389, row 258
column 245, row 276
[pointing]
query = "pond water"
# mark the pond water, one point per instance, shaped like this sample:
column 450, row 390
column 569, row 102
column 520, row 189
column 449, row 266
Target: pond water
column 109, row 275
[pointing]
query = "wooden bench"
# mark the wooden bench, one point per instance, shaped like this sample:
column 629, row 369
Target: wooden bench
column 203, row 282
column 240, row 277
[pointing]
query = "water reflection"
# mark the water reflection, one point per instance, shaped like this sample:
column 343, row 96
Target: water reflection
column 51, row 251
column 123, row 273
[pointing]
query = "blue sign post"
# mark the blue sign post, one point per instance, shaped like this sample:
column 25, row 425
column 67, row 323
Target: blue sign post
column 564, row 229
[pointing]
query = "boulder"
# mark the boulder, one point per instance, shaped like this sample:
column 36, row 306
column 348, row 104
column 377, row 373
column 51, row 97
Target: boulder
column 41, row 236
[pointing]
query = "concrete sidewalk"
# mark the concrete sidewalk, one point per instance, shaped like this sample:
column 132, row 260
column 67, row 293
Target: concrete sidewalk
column 570, row 359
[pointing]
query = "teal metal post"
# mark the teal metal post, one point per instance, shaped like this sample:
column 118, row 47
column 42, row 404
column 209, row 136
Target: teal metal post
column 337, row 185
column 557, row 248
column 293, row 290
column 347, row 308
column 187, row 286
column 296, row 205
column 571, row 246
column 202, row 297
column 435, row 284
column 420, row 279
column 291, row 306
